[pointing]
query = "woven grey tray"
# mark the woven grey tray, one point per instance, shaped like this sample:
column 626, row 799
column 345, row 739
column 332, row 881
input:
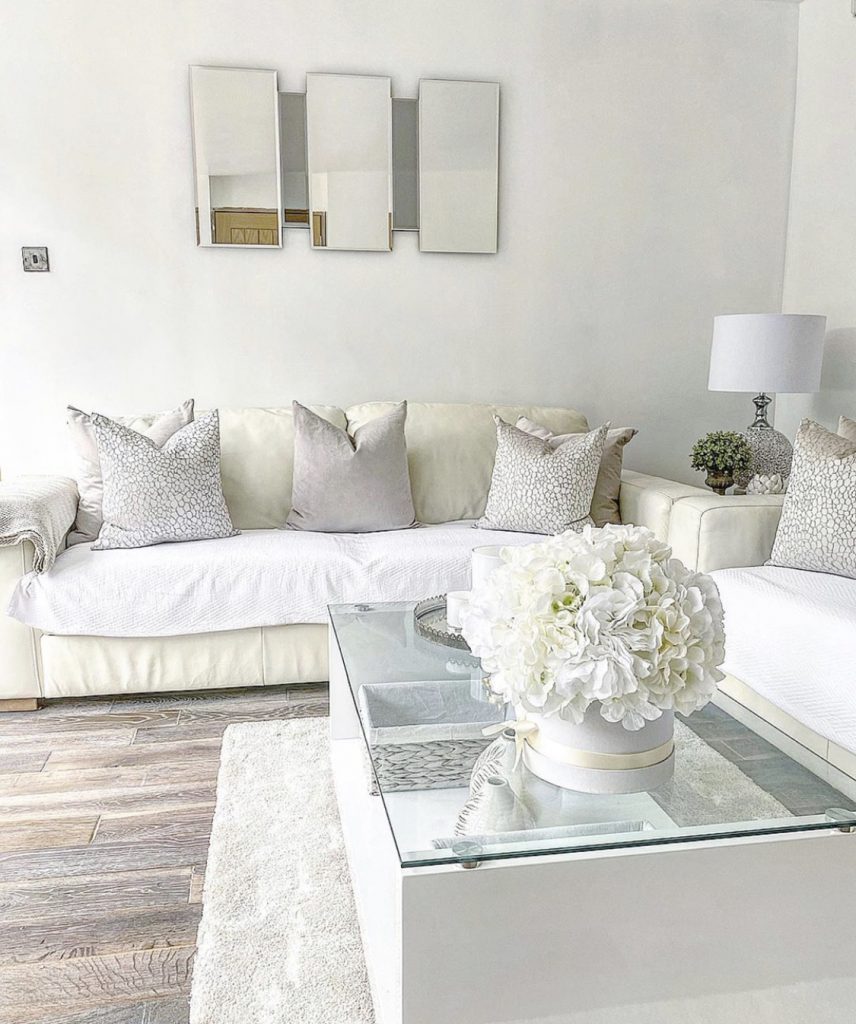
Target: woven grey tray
column 425, row 735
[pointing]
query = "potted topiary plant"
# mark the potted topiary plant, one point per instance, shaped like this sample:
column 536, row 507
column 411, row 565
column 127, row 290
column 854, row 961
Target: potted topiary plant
column 721, row 454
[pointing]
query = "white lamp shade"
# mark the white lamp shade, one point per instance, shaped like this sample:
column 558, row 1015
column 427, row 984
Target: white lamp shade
column 776, row 352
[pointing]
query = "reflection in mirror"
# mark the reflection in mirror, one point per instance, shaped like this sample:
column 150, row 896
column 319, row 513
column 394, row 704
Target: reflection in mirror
column 236, row 156
column 458, row 166
column 292, row 134
column 405, row 165
column 349, row 147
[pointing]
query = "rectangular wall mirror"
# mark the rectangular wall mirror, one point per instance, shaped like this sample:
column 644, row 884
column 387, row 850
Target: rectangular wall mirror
column 236, row 156
column 349, row 157
column 458, row 166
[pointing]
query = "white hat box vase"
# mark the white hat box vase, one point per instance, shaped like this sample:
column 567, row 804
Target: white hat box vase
column 597, row 756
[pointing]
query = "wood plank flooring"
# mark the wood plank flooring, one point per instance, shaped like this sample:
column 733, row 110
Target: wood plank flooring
column 105, row 817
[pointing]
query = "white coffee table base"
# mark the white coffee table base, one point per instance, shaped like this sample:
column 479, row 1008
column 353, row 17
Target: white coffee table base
column 759, row 930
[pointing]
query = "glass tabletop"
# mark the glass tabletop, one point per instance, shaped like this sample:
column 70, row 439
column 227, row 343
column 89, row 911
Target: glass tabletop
column 423, row 708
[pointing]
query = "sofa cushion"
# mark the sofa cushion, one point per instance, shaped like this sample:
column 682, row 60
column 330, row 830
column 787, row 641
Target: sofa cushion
column 818, row 525
column 161, row 494
column 257, row 462
column 90, row 482
column 451, row 450
column 791, row 637
column 347, row 483
column 604, row 504
column 537, row 488
column 260, row 578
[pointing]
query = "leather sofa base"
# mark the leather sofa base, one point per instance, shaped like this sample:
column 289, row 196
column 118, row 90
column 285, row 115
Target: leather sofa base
column 79, row 666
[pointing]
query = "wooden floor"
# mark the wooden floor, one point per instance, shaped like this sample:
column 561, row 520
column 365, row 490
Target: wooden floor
column 105, row 816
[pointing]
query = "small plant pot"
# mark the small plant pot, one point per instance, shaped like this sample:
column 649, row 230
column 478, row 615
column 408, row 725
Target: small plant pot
column 719, row 482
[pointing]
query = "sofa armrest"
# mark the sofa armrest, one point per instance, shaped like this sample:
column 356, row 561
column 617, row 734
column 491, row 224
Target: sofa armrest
column 648, row 500
column 712, row 532
column 20, row 669
column 36, row 513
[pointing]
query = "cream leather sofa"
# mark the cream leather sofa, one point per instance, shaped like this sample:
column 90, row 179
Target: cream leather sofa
column 451, row 452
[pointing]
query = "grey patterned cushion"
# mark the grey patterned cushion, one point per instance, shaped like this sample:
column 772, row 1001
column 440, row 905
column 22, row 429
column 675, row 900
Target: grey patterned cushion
column 847, row 428
column 818, row 526
column 345, row 484
column 90, row 485
column 157, row 495
column 604, row 504
column 537, row 488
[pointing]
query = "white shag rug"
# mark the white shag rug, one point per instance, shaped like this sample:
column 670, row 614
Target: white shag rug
column 279, row 941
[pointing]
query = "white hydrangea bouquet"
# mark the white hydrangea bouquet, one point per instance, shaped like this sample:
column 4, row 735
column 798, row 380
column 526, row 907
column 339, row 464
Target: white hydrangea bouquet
column 605, row 615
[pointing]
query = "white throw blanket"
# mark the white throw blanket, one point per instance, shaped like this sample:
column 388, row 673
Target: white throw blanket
column 260, row 578
column 40, row 509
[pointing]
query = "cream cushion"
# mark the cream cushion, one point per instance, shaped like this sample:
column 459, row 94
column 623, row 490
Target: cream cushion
column 257, row 462
column 451, row 450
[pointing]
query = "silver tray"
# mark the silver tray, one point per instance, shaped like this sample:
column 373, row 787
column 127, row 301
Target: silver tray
column 430, row 619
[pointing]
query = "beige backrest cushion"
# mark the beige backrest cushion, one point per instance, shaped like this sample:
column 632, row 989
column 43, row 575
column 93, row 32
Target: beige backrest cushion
column 257, row 461
column 451, row 450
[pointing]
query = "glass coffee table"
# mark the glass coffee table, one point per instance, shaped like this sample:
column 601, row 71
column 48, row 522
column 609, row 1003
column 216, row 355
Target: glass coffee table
column 727, row 892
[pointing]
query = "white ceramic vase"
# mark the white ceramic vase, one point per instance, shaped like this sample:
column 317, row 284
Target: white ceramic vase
column 599, row 756
column 500, row 758
column 493, row 807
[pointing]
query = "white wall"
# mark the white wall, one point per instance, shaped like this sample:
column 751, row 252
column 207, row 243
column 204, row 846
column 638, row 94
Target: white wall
column 821, row 256
column 645, row 157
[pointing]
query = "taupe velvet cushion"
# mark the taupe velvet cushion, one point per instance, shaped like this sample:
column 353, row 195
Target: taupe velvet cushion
column 350, row 484
column 537, row 488
column 604, row 504
column 847, row 428
column 90, row 484
column 817, row 530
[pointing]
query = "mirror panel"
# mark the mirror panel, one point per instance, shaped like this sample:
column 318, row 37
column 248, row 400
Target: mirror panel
column 458, row 166
column 349, row 160
column 236, row 156
column 292, row 133
column 405, row 165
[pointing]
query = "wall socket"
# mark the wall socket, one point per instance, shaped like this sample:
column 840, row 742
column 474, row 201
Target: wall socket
column 35, row 259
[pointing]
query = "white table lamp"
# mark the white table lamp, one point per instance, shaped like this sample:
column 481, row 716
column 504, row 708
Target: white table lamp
column 764, row 354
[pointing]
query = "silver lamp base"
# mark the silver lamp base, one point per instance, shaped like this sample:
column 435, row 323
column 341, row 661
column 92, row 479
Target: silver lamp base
column 772, row 452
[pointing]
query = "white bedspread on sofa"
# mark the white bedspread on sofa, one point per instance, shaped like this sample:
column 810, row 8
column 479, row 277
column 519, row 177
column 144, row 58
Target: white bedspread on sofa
column 259, row 578
column 791, row 636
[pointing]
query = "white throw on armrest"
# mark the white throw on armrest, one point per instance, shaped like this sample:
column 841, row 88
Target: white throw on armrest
column 38, row 509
